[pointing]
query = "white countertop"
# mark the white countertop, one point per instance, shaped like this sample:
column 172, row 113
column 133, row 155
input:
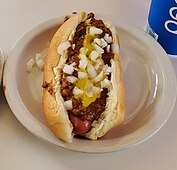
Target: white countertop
column 21, row 150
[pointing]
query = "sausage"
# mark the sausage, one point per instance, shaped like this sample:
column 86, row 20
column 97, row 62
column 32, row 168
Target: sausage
column 80, row 126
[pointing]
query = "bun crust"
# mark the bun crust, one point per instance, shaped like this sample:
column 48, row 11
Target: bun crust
column 54, row 110
column 115, row 104
column 53, row 104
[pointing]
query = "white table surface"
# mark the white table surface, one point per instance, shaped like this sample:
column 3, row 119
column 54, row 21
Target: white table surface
column 21, row 150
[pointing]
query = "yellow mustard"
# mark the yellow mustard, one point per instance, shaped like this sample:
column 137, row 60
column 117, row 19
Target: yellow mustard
column 83, row 83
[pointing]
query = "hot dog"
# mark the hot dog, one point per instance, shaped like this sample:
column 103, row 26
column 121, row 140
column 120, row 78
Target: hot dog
column 83, row 90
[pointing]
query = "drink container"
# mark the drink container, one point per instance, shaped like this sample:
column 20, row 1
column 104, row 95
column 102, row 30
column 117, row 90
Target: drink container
column 162, row 24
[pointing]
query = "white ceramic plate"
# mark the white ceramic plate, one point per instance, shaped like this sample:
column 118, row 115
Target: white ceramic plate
column 150, row 88
column 1, row 64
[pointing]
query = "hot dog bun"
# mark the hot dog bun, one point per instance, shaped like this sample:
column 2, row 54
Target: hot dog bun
column 53, row 102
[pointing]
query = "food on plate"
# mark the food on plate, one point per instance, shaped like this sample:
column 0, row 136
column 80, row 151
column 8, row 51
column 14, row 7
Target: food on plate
column 83, row 91
column 38, row 60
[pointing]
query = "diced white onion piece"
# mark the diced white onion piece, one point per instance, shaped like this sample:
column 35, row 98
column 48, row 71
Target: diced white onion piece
column 108, row 48
column 109, row 70
column 91, row 70
column 97, row 66
column 94, row 55
column 37, row 56
column 77, row 91
column 68, row 69
column 96, row 89
column 108, row 38
column 103, row 43
column 71, row 79
column 73, row 46
column 68, row 105
column 105, row 83
column 89, row 94
column 83, row 63
column 82, row 74
column 97, row 41
column 83, row 56
column 98, row 61
column 40, row 63
column 30, row 64
column 98, row 49
column 99, row 77
column 83, row 50
column 73, row 64
column 89, row 86
column 44, row 53
column 64, row 46
column 115, row 48
column 105, row 67
column 94, row 30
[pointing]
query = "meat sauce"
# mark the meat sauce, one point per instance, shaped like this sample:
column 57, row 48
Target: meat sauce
column 93, row 111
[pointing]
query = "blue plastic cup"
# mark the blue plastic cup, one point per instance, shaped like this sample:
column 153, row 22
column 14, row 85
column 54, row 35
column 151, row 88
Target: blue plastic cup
column 162, row 24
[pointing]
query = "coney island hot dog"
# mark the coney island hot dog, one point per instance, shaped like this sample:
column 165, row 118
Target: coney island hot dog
column 83, row 91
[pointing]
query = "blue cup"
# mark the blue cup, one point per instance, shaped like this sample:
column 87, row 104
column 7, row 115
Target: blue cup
column 162, row 24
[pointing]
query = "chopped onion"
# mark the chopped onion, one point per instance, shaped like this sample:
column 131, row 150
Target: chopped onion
column 103, row 43
column 30, row 65
column 115, row 48
column 97, row 41
column 108, row 48
column 83, row 56
column 73, row 64
column 38, row 56
column 71, row 79
column 64, row 46
column 83, row 63
column 89, row 94
column 98, row 49
column 99, row 77
column 105, row 67
column 77, row 91
column 96, row 89
column 69, row 69
column 44, row 53
column 105, row 83
column 88, row 86
column 94, row 30
column 68, row 105
column 40, row 63
column 73, row 46
column 91, row 71
column 98, row 61
column 108, row 38
column 83, row 50
column 82, row 75
column 98, row 64
column 94, row 55
column 109, row 70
